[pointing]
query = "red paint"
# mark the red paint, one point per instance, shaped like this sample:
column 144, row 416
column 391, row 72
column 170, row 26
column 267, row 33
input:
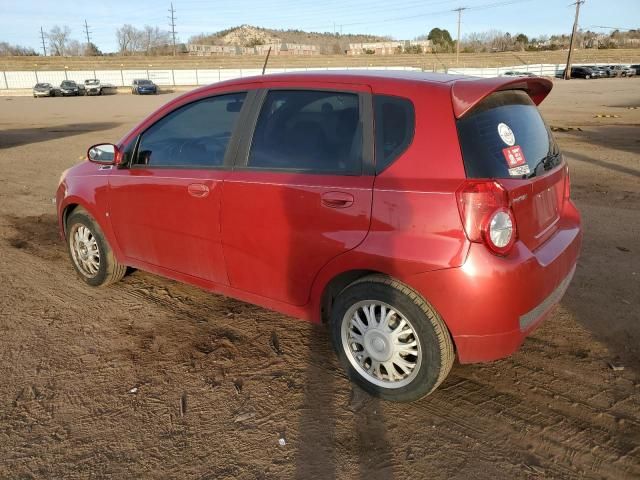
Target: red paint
column 278, row 239
column 514, row 156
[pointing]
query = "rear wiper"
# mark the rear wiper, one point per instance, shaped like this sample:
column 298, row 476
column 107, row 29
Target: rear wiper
column 547, row 163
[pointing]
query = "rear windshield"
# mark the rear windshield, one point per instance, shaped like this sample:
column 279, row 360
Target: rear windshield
column 505, row 137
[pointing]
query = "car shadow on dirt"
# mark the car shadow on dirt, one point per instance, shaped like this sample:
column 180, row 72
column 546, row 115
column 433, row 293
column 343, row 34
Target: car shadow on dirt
column 602, row 163
column 625, row 138
column 36, row 234
column 25, row 136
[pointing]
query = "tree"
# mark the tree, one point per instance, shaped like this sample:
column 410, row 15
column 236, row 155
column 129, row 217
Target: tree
column 58, row 39
column 153, row 39
column 441, row 39
column 149, row 40
column 522, row 39
column 74, row 48
column 6, row 49
column 91, row 50
column 129, row 39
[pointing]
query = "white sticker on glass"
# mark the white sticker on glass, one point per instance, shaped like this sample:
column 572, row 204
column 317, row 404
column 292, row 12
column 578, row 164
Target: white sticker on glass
column 518, row 171
column 506, row 134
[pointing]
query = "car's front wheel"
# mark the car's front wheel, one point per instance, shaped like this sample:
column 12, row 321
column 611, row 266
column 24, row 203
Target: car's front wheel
column 90, row 252
column 391, row 342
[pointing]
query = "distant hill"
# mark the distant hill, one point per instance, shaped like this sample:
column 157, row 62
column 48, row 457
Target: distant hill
column 249, row 36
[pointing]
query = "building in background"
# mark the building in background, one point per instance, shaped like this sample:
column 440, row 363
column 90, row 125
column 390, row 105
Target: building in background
column 276, row 49
column 388, row 48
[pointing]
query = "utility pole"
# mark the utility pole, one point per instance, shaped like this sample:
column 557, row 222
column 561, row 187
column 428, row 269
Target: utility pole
column 459, row 10
column 173, row 27
column 87, row 32
column 44, row 48
column 567, row 69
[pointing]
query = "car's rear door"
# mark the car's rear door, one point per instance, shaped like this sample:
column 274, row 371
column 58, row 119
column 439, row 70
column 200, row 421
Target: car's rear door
column 165, row 202
column 300, row 193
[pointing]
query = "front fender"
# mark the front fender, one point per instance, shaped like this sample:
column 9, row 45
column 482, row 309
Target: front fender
column 91, row 193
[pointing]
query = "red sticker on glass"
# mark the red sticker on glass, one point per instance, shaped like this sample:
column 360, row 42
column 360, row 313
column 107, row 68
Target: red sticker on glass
column 514, row 156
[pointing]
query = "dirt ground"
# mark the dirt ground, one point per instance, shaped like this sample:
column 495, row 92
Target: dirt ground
column 218, row 383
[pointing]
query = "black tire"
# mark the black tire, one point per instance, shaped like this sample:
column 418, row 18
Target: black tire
column 437, row 350
column 109, row 270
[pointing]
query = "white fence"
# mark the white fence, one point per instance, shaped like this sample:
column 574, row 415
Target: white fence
column 123, row 78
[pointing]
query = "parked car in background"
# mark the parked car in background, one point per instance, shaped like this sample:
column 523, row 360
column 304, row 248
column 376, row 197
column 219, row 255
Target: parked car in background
column 68, row 88
column 636, row 68
column 411, row 211
column 518, row 74
column 604, row 71
column 579, row 72
column 43, row 90
column 628, row 71
column 144, row 87
column 623, row 70
column 595, row 71
column 93, row 86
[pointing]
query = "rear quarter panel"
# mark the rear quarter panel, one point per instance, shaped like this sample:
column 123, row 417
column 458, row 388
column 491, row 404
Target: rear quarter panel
column 415, row 223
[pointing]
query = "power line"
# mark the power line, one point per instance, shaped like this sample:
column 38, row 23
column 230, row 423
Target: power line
column 173, row 27
column 612, row 28
column 567, row 69
column 44, row 48
column 459, row 10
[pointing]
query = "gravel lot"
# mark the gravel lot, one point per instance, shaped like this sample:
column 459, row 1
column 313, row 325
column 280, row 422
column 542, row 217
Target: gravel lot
column 218, row 382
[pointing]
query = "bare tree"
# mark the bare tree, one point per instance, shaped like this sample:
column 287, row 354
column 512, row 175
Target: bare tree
column 74, row 48
column 148, row 41
column 6, row 49
column 58, row 39
column 127, row 41
column 154, row 39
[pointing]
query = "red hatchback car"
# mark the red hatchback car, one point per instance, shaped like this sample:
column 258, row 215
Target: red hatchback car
column 422, row 216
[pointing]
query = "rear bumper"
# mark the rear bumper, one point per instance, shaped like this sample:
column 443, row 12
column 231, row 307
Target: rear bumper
column 490, row 304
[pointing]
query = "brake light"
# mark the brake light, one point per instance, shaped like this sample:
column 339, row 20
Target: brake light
column 486, row 215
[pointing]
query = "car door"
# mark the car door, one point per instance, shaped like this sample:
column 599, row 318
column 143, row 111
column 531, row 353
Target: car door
column 165, row 202
column 301, row 191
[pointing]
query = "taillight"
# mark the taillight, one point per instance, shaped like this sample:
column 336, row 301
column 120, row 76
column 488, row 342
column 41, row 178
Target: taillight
column 486, row 215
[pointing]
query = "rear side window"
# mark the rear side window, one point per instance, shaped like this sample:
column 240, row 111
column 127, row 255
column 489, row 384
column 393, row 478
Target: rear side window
column 505, row 137
column 195, row 135
column 395, row 125
column 308, row 131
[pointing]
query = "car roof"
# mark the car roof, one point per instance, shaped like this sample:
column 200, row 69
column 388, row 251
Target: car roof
column 360, row 75
column 466, row 91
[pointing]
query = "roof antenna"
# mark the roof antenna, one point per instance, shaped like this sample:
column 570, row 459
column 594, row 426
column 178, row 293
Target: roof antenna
column 266, row 60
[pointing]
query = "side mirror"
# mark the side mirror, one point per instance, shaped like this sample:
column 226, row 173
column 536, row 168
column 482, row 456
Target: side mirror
column 104, row 153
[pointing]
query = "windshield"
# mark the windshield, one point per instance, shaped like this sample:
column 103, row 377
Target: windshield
column 91, row 82
column 505, row 137
column 68, row 84
column 42, row 85
column 143, row 82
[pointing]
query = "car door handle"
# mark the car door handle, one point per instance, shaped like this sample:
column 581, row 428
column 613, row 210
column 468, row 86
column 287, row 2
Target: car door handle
column 198, row 190
column 337, row 199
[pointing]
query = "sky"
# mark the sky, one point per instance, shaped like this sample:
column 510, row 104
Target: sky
column 20, row 21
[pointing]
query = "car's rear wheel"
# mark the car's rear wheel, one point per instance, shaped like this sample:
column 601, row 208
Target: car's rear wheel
column 391, row 342
column 90, row 252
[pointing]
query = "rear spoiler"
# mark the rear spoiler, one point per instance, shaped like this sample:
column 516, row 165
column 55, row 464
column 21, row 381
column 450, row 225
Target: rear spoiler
column 467, row 93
